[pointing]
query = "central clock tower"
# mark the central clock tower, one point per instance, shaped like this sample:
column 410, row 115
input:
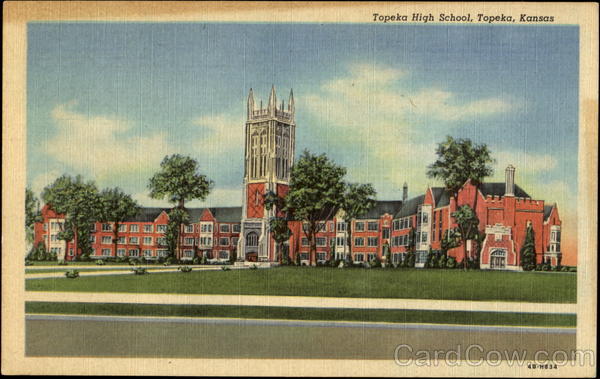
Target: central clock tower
column 269, row 154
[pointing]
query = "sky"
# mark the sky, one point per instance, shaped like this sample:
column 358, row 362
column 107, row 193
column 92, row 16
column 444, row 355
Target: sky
column 110, row 100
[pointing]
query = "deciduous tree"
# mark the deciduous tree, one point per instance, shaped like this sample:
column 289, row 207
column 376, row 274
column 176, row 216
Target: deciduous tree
column 467, row 225
column 315, row 194
column 79, row 202
column 117, row 207
column 358, row 199
column 179, row 180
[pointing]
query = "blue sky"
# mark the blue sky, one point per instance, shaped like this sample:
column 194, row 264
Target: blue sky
column 109, row 100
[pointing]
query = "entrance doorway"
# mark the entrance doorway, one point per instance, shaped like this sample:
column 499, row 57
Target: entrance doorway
column 498, row 259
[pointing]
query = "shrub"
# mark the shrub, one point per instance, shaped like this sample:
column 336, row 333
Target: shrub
column 169, row 261
column 441, row 262
column 564, row 269
column 254, row 267
column 225, row 268
column 28, row 262
column 573, row 269
column 185, row 269
column 100, row 262
column 374, row 263
column 72, row 274
column 62, row 262
column 139, row 270
column 195, row 261
column 546, row 267
column 538, row 268
column 451, row 262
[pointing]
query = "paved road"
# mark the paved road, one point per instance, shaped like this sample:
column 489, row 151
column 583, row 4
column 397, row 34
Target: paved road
column 97, row 336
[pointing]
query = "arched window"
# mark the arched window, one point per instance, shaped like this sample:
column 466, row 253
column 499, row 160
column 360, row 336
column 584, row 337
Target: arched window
column 263, row 153
column 251, row 239
column 254, row 157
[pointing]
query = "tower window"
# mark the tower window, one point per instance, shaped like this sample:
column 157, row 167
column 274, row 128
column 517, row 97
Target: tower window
column 256, row 197
column 252, row 239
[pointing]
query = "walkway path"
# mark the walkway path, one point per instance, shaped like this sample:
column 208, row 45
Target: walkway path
column 301, row 301
column 124, row 270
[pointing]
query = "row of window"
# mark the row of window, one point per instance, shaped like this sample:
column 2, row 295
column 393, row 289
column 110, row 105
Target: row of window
column 188, row 241
column 147, row 253
column 149, row 228
column 403, row 223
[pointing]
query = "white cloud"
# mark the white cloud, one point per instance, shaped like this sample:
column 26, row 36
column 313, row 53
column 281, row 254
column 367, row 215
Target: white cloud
column 523, row 161
column 386, row 125
column 219, row 197
column 218, row 133
column 41, row 181
column 103, row 146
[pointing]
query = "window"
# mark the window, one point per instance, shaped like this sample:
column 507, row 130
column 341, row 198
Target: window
column 373, row 225
column 224, row 241
column 162, row 228
column 321, row 256
column 188, row 253
column 147, row 253
column 424, row 218
column 340, row 241
column 148, row 228
column 304, row 241
column 92, row 228
column 341, row 226
column 122, row 228
column 330, row 223
column 189, row 241
column 396, row 224
column 396, row 258
column 359, row 257
column 386, row 233
column 106, row 227
column 189, row 229
column 120, row 252
column 206, row 228
column 92, row 239
column 121, row 241
column 54, row 237
column 332, row 242
column 371, row 257
column 234, row 241
column 321, row 241
column 423, row 237
column 223, row 254
column 161, row 241
column 106, row 240
column 162, row 252
column 134, row 228
column 45, row 227
column 304, row 256
column 224, row 228
column 54, row 226
column 106, row 252
column 147, row 240
column 359, row 241
column 252, row 239
column 236, row 228
column 359, row 226
column 321, row 226
column 372, row 241
column 134, row 252
column 134, row 240
column 205, row 241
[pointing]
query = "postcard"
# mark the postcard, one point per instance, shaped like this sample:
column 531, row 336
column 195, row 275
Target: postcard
column 286, row 189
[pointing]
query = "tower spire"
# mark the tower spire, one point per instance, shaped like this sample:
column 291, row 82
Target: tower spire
column 250, row 104
column 272, row 101
column 291, row 107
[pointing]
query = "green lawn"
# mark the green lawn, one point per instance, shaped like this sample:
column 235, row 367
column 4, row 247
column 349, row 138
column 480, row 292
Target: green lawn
column 323, row 314
column 334, row 282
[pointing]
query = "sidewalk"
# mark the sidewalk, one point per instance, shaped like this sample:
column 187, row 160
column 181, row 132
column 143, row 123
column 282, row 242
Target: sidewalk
column 301, row 301
column 125, row 270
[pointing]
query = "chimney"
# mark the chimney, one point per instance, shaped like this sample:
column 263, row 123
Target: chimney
column 404, row 192
column 510, row 181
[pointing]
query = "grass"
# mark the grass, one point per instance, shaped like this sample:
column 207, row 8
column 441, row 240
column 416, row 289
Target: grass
column 334, row 282
column 322, row 314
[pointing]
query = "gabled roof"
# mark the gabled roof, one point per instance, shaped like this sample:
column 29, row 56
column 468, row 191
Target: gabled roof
column 498, row 189
column 146, row 214
column 440, row 196
column 382, row 207
column 227, row 214
column 221, row 214
column 410, row 206
column 547, row 211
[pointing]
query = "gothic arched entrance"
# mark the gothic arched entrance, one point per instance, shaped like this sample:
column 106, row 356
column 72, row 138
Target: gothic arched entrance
column 498, row 259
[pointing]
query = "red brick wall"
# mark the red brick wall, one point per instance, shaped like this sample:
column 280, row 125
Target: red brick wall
column 255, row 204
